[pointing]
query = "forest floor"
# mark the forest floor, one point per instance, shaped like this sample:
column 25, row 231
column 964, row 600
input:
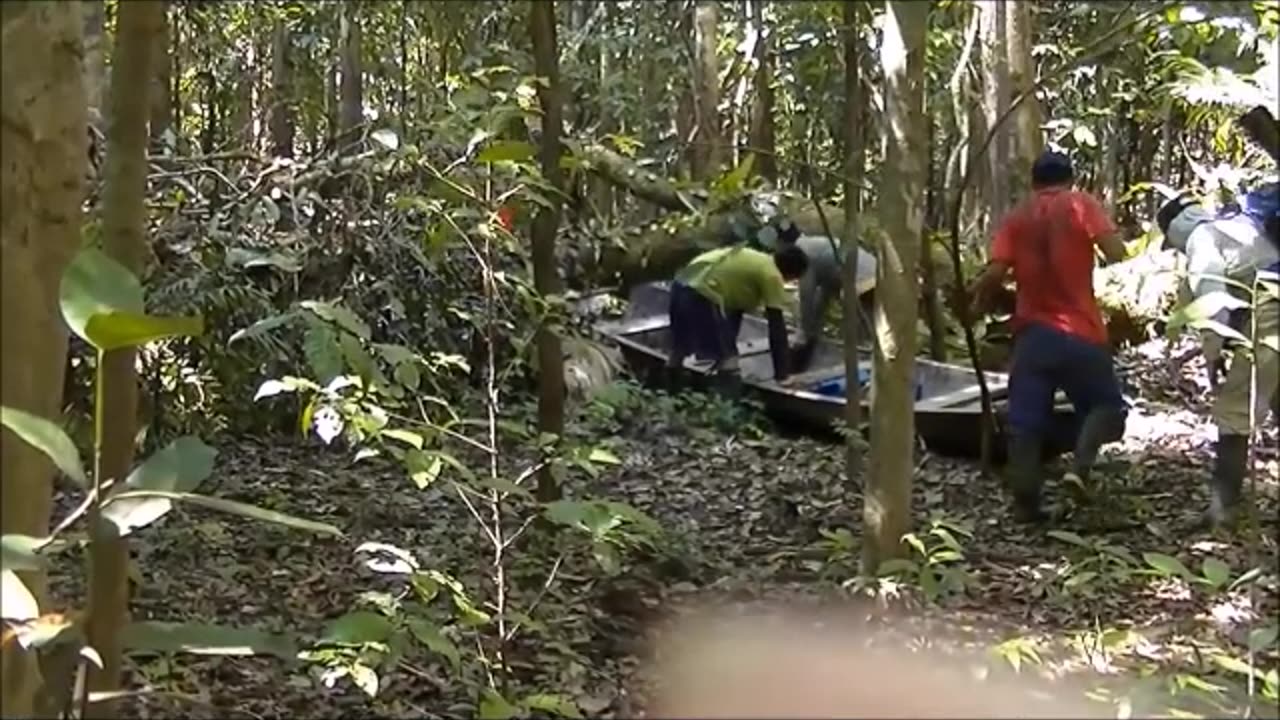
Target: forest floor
column 747, row 511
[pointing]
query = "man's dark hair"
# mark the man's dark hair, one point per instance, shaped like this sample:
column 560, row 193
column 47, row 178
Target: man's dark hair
column 1170, row 210
column 1051, row 168
column 791, row 261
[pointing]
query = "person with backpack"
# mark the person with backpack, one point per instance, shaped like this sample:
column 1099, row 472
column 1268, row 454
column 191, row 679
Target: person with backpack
column 712, row 293
column 1226, row 254
column 1060, row 341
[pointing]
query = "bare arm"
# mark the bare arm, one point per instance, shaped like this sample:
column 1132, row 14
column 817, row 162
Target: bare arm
column 991, row 278
column 1112, row 247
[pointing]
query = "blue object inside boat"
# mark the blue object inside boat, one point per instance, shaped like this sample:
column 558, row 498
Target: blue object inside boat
column 835, row 387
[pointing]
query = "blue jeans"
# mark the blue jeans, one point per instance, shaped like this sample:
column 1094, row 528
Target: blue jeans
column 1046, row 360
column 699, row 328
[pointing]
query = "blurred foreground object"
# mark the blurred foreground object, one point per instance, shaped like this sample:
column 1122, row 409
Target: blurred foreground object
column 774, row 666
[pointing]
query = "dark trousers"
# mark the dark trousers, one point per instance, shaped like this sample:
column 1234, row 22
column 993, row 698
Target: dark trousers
column 700, row 328
column 1046, row 360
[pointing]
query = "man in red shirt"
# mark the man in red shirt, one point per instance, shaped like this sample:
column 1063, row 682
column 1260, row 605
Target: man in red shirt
column 1060, row 341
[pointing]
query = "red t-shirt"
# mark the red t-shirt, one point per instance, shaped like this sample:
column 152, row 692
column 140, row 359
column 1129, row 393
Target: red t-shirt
column 1048, row 241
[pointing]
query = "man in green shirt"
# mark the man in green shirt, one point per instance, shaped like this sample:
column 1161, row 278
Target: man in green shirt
column 711, row 294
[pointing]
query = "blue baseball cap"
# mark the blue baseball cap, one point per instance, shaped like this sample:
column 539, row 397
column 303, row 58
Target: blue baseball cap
column 1052, row 168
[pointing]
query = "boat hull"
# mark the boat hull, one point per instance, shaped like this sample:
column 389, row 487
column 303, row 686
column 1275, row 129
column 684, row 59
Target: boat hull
column 948, row 411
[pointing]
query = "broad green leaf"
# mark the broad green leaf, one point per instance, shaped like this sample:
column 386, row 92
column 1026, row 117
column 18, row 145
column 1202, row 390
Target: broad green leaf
column 423, row 469
column 358, row 627
column 1067, row 536
column 508, row 150
column 179, row 467
column 1226, row 332
column 263, row 326
column 19, row 552
column 409, row 438
column 1216, row 572
column 603, row 457
column 115, row 330
column 554, row 704
column 16, row 601
column 386, row 137
column 48, row 439
column 503, row 485
column 1167, row 565
column 234, row 508
column 495, row 707
column 364, row 678
column 429, row 634
column 1263, row 638
column 339, row 315
column 202, row 639
column 320, row 347
column 1236, row 665
column 95, row 284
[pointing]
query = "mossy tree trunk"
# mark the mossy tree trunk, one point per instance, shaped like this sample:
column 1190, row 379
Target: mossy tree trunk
column 43, row 154
column 887, row 503
column 123, row 221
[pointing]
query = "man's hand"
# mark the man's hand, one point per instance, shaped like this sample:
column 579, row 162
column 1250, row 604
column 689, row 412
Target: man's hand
column 1211, row 345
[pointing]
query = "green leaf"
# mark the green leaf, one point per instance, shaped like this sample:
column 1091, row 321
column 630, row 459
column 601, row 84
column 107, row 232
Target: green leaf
column 1263, row 638
column 19, row 552
column 102, row 303
column 554, row 704
column 234, row 508
column 320, row 347
column 95, row 284
column 357, row 628
column 506, row 150
column 409, row 438
column 112, row 331
column 48, row 439
column 1216, row 572
column 429, row 634
column 340, row 315
column 203, row 639
column 423, row 469
column 603, row 457
column 16, row 600
column 364, row 678
column 263, row 326
column 1067, row 536
column 1084, row 136
column 495, row 707
column 179, row 467
column 1167, row 565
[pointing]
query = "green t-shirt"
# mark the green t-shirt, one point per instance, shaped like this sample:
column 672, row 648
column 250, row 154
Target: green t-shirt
column 737, row 278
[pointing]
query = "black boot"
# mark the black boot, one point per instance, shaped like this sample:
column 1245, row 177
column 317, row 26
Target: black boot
column 671, row 378
column 1026, row 479
column 1100, row 426
column 1229, row 465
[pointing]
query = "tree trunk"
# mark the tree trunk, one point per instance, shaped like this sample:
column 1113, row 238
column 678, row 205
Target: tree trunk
column 761, row 136
column 44, row 147
column 281, row 119
column 602, row 190
column 934, row 222
column 242, row 110
column 1027, row 140
column 95, row 66
column 546, row 276
column 352, row 104
column 161, row 102
column 708, row 148
column 854, row 167
column 887, row 506
column 995, row 99
column 124, row 218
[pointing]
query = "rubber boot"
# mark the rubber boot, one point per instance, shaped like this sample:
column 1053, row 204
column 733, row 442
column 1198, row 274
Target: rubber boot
column 1026, row 479
column 1229, row 465
column 1100, row 426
